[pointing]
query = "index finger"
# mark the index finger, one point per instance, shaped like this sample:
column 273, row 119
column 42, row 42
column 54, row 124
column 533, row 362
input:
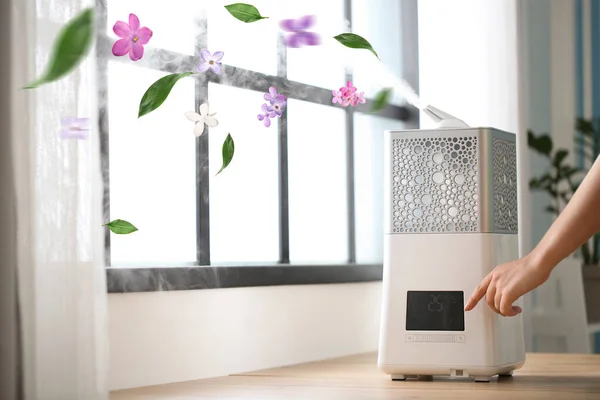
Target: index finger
column 478, row 293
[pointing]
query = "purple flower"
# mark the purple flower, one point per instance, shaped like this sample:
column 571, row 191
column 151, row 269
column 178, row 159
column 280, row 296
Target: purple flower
column 266, row 115
column 272, row 96
column 299, row 35
column 133, row 38
column 75, row 128
column 211, row 61
column 277, row 106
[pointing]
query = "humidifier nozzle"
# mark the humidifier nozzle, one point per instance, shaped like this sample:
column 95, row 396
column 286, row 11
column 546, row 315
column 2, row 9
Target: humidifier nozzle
column 443, row 119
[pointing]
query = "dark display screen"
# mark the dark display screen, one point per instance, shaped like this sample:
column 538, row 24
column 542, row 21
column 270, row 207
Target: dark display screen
column 435, row 311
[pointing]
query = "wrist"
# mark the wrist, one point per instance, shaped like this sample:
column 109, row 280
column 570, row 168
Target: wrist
column 541, row 260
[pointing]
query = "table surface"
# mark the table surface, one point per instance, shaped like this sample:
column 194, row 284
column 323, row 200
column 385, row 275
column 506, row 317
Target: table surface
column 544, row 376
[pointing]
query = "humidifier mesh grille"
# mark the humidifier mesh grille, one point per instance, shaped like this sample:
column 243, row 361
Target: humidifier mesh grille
column 435, row 185
column 505, row 185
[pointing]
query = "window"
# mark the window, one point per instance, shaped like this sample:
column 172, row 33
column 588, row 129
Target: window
column 306, row 190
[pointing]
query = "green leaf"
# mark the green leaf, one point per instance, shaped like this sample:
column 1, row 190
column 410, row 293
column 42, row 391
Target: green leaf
column 70, row 48
column 355, row 42
column 546, row 179
column 567, row 171
column 244, row 12
column 228, row 150
column 584, row 126
column 382, row 98
column 121, row 227
column 542, row 144
column 158, row 92
column 559, row 157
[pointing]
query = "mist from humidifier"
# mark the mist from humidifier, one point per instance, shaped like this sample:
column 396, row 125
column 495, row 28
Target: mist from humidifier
column 383, row 76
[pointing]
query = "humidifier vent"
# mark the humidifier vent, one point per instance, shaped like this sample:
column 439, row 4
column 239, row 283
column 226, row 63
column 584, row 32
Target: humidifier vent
column 435, row 185
column 505, row 186
column 452, row 181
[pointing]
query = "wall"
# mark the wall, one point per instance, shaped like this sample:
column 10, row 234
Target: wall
column 164, row 337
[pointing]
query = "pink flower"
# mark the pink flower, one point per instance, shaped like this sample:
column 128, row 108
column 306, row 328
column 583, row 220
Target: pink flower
column 133, row 38
column 337, row 97
column 358, row 98
column 347, row 96
column 348, row 90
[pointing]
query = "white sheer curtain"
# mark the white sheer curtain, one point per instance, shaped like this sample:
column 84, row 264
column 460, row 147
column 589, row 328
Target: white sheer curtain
column 50, row 211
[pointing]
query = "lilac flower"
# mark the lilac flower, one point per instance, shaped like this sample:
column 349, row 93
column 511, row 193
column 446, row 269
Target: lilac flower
column 272, row 96
column 266, row 115
column 347, row 96
column 338, row 98
column 202, row 118
column 299, row 35
column 75, row 128
column 277, row 106
column 133, row 38
column 211, row 61
column 348, row 90
column 358, row 98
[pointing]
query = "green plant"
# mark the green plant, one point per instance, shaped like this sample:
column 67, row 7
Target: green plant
column 561, row 180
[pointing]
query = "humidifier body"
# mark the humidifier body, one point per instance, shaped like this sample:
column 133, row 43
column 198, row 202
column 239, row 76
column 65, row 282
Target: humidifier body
column 450, row 218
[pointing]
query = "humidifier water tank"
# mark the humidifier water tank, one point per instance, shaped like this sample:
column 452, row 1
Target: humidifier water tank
column 450, row 218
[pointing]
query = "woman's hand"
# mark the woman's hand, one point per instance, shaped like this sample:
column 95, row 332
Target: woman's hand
column 506, row 283
column 578, row 222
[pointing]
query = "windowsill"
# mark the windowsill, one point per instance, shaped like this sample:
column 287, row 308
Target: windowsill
column 160, row 278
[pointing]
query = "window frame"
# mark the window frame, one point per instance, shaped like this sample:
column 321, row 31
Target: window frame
column 201, row 273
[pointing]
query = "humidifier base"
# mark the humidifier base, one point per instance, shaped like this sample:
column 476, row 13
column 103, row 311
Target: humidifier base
column 477, row 373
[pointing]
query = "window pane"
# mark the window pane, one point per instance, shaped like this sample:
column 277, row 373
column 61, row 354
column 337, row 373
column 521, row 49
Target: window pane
column 378, row 22
column 317, row 183
column 173, row 26
column 368, row 181
column 251, row 46
column 244, row 211
column 318, row 65
column 152, row 169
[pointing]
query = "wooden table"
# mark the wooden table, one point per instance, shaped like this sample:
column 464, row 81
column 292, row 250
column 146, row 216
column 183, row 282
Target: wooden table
column 544, row 376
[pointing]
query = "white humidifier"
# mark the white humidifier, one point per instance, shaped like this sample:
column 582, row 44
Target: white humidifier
column 450, row 218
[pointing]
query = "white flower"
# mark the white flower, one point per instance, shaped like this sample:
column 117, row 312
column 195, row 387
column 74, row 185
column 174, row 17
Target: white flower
column 203, row 118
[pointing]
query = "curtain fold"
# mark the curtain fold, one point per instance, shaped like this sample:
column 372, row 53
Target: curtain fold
column 51, row 235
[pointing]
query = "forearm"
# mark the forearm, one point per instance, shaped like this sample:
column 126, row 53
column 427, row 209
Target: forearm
column 579, row 221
